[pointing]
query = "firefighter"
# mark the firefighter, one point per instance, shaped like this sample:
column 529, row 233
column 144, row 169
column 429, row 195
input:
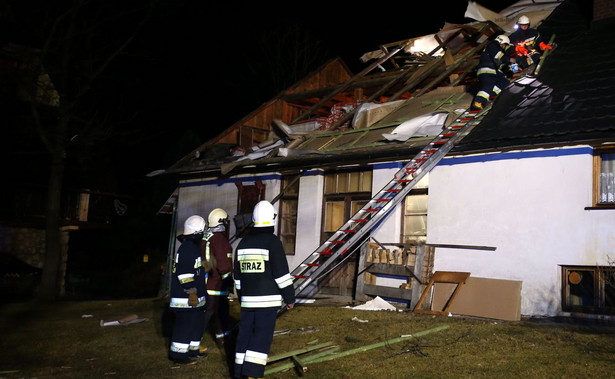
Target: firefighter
column 529, row 45
column 493, row 71
column 216, row 249
column 263, row 282
column 188, row 294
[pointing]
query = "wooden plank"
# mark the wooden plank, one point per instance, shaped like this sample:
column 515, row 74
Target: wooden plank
column 391, row 269
column 390, row 292
column 289, row 354
column 442, row 277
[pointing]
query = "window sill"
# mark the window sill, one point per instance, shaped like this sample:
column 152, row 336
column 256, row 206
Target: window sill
column 599, row 207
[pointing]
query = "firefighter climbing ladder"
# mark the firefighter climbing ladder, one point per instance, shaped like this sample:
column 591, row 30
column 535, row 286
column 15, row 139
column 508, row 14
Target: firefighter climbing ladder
column 342, row 242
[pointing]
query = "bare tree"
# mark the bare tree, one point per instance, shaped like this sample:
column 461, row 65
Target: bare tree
column 77, row 41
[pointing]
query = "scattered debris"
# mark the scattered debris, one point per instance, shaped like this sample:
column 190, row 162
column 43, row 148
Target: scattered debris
column 308, row 329
column 87, row 316
column 280, row 332
column 127, row 320
column 358, row 319
column 377, row 304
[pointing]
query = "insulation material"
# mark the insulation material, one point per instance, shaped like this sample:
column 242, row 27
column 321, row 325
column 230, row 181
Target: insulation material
column 482, row 297
column 377, row 304
column 369, row 113
column 426, row 125
column 442, row 99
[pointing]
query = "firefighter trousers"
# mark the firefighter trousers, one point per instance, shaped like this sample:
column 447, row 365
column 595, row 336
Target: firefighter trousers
column 187, row 333
column 254, row 340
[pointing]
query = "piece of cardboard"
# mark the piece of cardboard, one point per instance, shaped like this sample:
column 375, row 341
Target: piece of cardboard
column 482, row 297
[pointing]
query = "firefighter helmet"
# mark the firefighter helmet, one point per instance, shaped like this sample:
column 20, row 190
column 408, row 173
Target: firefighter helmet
column 193, row 225
column 503, row 39
column 217, row 217
column 263, row 214
column 523, row 20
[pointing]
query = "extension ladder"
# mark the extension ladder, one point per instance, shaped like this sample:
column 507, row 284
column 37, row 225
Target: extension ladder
column 342, row 242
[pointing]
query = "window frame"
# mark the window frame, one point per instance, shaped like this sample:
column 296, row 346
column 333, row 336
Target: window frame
column 597, row 168
column 603, row 284
column 283, row 217
column 348, row 197
column 403, row 235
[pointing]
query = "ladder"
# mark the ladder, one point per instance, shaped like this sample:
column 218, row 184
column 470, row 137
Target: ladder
column 342, row 242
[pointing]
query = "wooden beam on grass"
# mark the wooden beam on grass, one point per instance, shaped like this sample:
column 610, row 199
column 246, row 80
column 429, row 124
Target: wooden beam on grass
column 304, row 350
column 322, row 357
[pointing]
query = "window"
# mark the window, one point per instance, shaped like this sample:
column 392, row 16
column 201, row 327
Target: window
column 345, row 194
column 588, row 289
column 288, row 212
column 415, row 216
column 604, row 177
column 247, row 197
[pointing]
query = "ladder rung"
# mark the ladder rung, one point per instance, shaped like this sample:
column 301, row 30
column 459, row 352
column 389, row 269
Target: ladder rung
column 393, row 190
column 349, row 231
column 313, row 264
column 360, row 220
column 300, row 276
column 372, row 209
column 383, row 200
column 338, row 242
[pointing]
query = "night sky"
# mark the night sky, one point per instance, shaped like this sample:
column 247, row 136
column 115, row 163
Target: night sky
column 197, row 67
column 217, row 60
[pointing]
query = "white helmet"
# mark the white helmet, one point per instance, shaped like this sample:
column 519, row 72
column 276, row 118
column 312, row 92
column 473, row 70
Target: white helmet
column 216, row 217
column 503, row 39
column 193, row 225
column 263, row 214
column 523, row 20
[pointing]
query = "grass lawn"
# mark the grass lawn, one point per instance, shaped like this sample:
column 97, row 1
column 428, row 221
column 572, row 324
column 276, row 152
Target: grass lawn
column 66, row 340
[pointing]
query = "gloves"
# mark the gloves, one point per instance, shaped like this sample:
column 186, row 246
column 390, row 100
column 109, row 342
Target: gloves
column 544, row 46
column 193, row 298
column 522, row 50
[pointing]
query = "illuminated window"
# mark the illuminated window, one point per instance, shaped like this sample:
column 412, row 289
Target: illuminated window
column 604, row 177
column 345, row 194
column 415, row 216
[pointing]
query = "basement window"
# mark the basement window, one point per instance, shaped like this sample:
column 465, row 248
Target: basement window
column 588, row 289
column 604, row 177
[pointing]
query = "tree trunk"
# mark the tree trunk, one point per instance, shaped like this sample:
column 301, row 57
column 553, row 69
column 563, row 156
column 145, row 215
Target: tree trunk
column 53, row 246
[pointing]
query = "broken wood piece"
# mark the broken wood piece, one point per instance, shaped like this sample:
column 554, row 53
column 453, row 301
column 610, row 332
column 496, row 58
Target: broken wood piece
column 308, row 359
column 301, row 367
column 298, row 352
column 322, row 357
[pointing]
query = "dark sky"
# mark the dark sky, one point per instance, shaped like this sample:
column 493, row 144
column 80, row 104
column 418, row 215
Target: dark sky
column 198, row 67
column 213, row 67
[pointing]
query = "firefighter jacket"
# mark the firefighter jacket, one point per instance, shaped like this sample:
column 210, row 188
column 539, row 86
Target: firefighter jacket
column 217, row 250
column 261, row 274
column 188, row 274
column 493, row 57
column 529, row 38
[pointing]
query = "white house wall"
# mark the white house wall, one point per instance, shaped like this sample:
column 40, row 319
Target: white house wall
column 530, row 206
column 388, row 230
column 309, row 216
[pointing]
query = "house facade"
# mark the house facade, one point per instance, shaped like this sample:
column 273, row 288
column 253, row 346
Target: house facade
column 527, row 197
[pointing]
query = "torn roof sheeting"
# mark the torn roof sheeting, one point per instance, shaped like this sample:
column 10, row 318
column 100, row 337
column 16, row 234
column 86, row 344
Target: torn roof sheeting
column 535, row 10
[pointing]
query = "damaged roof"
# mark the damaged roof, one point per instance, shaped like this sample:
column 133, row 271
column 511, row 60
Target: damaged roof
column 395, row 116
column 570, row 101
